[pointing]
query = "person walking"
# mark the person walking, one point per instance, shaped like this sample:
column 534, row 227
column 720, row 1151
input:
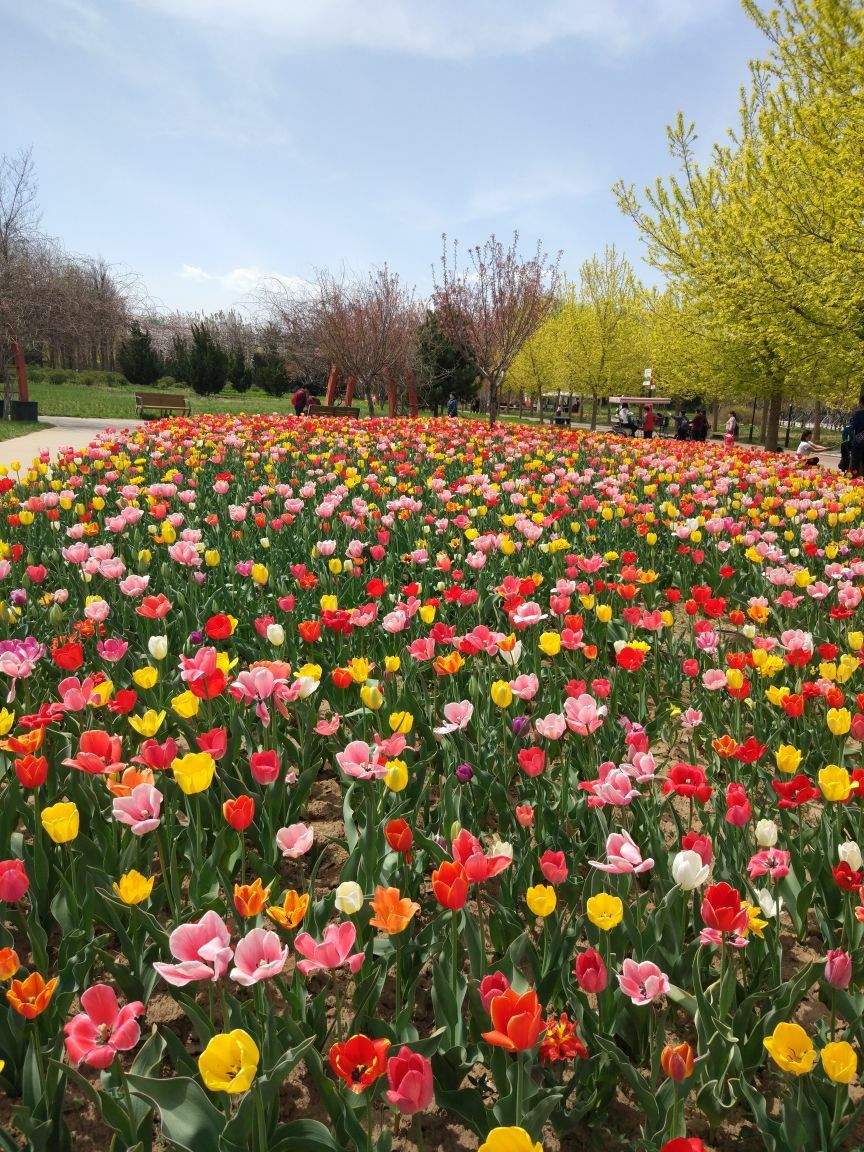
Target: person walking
column 846, row 446
column 731, row 430
column 300, row 399
column 452, row 406
column 648, row 423
column 682, row 429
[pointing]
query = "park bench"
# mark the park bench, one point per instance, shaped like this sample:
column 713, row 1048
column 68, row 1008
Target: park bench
column 333, row 410
column 560, row 421
column 163, row 402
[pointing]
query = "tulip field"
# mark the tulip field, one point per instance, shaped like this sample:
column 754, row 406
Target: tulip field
column 394, row 784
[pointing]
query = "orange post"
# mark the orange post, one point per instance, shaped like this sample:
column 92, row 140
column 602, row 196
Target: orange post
column 391, row 392
column 349, row 390
column 413, row 402
column 332, row 385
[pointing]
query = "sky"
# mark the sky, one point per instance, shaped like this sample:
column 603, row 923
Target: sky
column 207, row 145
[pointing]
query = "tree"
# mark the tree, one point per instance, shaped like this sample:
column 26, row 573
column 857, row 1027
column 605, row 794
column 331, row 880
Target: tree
column 366, row 327
column 207, row 363
column 177, row 360
column 270, row 373
column 441, row 366
column 20, row 269
column 492, row 306
column 240, row 373
column 139, row 361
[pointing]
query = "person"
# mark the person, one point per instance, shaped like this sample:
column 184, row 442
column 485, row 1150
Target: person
column 682, row 426
column 731, row 430
column 806, row 449
column 846, row 446
column 452, row 406
column 699, row 425
column 300, row 399
column 475, row 404
column 625, row 417
column 856, row 448
column 648, row 423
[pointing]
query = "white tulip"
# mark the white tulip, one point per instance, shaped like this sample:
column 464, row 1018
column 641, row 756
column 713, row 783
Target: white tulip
column 157, row 646
column 770, row 907
column 766, row 833
column 851, row 853
column 276, row 635
column 688, row 871
column 349, row 897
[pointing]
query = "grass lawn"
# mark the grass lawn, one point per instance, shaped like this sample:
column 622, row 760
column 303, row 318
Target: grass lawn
column 12, row 429
column 118, row 401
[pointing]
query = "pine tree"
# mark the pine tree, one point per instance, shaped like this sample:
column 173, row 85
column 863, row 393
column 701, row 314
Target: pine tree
column 139, row 361
column 208, row 363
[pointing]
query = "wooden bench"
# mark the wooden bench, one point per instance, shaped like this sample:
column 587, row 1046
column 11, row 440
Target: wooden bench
column 333, row 410
column 163, row 402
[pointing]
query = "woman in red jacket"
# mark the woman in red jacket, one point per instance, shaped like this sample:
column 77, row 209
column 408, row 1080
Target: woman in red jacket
column 648, row 423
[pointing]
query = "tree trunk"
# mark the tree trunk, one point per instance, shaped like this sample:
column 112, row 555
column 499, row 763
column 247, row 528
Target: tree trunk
column 332, row 385
column 593, row 411
column 21, row 370
column 390, row 384
column 413, row 403
column 763, row 427
column 493, row 400
column 817, row 421
column 772, row 429
column 715, row 416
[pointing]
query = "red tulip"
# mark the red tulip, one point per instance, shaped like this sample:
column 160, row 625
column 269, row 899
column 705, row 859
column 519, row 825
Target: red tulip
column 14, row 881
column 517, row 1021
column 239, row 813
column 411, row 1085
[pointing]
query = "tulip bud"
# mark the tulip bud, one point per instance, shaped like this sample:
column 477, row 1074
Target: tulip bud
column 276, row 635
column 157, row 646
column 677, row 1061
column 851, row 853
column 766, row 833
column 838, row 968
column 590, row 971
column 349, row 897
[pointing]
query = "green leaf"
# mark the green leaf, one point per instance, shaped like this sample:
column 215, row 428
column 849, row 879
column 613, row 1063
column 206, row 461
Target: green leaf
column 189, row 1120
column 303, row 1136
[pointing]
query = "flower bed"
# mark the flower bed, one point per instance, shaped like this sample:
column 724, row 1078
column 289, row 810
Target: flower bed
column 365, row 780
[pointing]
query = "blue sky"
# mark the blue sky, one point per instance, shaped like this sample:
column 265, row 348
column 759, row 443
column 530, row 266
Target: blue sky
column 206, row 143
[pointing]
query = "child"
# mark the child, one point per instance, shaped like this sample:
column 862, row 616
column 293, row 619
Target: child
column 806, row 448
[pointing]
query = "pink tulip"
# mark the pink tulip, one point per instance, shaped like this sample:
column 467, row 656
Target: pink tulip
column 203, row 948
column 525, row 687
column 468, row 851
column 457, row 717
column 258, row 956
column 333, row 951
column 773, row 862
column 295, row 840
column 838, row 968
column 361, row 761
column 264, row 767
column 103, row 1029
column 624, row 856
column 410, row 1078
column 491, row 986
column 140, row 810
column 14, row 881
column 157, row 756
column 112, row 649
column 553, row 865
column 643, row 982
column 328, row 727
column 582, row 714
column 551, row 727
column 614, row 786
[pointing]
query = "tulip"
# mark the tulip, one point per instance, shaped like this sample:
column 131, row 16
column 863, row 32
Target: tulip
column 295, row 840
column 103, row 1029
column 517, row 1021
column 409, row 1075
column 157, row 646
column 239, row 813
column 791, row 1049
column 9, row 963
column 250, row 899
column 835, row 783
column 140, row 810
column 203, row 949
column 838, row 968
column 32, row 996
column 359, row 1061
column 590, row 971
column 766, row 833
column 291, row 911
column 839, row 1061
column 643, row 982
column 349, row 897
column 553, row 865
column 194, row 772
column 839, row 721
column 258, row 956
column 502, row 694
column 450, row 885
column 14, row 881
column 624, row 856
column 333, row 951
column 265, row 767
column 605, row 911
column 61, row 821
column 509, row 1140
column 541, row 899
column 133, row 888
column 229, row 1063
column 677, row 1061
column 688, row 871
column 491, row 986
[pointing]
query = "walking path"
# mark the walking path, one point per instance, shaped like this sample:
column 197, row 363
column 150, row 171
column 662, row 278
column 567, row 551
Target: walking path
column 67, row 432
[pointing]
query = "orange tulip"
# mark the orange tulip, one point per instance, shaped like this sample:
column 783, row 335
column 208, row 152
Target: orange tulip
column 450, row 885
column 393, row 913
column 25, row 745
column 724, row 746
column 447, row 665
column 9, row 963
column 517, row 1020
column 249, row 899
column 32, row 996
column 292, row 910
column 122, row 783
column 677, row 1061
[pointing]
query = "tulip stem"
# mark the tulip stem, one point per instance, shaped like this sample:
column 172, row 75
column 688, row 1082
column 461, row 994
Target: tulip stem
column 520, row 1073
column 417, row 1132
column 454, row 961
column 481, row 919
column 262, row 1121
column 370, row 1123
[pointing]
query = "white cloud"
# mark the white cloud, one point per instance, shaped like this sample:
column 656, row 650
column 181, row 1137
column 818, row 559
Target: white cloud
column 445, row 29
column 239, row 285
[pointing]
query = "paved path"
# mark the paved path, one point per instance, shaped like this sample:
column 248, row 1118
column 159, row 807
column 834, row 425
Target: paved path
column 67, row 431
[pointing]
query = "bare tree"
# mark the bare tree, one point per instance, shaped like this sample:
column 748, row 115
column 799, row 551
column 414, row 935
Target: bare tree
column 492, row 306
column 19, row 271
column 366, row 327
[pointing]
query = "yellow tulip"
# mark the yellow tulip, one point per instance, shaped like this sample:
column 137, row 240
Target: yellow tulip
column 509, row 1140
column 603, row 612
column 359, row 669
column 229, row 1062
column 335, row 565
column 186, row 705
column 427, row 613
column 791, row 1049
column 392, row 663
column 605, row 911
column 836, row 783
column 401, row 722
column 502, row 694
column 839, row 721
column 148, row 724
column 839, row 1061
column 541, row 899
column 61, row 821
column 194, row 772
column 7, row 719
column 133, row 888
column 396, row 777
column 145, row 677
column 372, row 696
column 260, row 574
column 211, row 557
column 549, row 643
column 788, row 758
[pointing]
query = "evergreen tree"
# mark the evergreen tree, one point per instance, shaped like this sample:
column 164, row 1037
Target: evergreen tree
column 139, row 361
column 177, row 363
column 270, row 373
column 207, row 363
column 442, row 367
column 239, row 372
